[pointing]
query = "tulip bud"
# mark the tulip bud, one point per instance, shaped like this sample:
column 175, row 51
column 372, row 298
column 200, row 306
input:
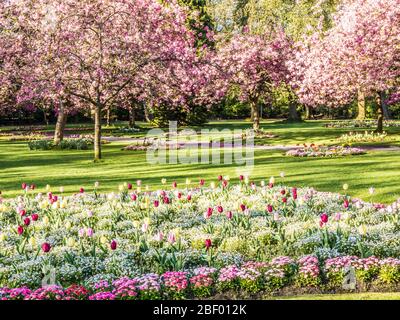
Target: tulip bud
column 27, row 221
column 113, row 245
column 207, row 243
column 46, row 247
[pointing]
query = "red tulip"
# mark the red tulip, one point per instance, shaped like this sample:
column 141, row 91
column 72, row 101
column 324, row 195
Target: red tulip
column 179, row 195
column 49, row 195
column 207, row 243
column 33, row 186
column 243, row 207
column 241, row 177
column 229, row 214
column 27, row 221
column 324, row 218
column 20, row 230
column 346, row 203
column 129, row 186
column 294, row 193
column 35, row 217
column 209, row 212
column 174, row 184
column 284, row 199
column 166, row 200
column 189, row 197
column 219, row 178
column 202, row 182
column 55, row 198
column 81, row 190
column 224, row 183
column 23, row 186
column 283, row 191
column 22, row 212
column 220, row 209
column 46, row 247
column 270, row 208
column 133, row 197
column 270, row 185
column 113, row 245
column 156, row 203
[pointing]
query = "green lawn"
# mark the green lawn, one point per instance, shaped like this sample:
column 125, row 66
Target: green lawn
column 73, row 169
column 347, row 296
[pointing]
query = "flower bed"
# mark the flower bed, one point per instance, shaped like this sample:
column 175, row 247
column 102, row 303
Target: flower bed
column 351, row 124
column 251, row 279
column 359, row 137
column 313, row 150
column 89, row 239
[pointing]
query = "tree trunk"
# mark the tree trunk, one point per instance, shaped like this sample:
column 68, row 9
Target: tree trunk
column 308, row 112
column 97, row 132
column 147, row 113
column 108, row 116
column 386, row 112
column 45, row 118
column 293, row 114
column 379, row 103
column 131, row 117
column 361, row 105
column 255, row 115
column 60, row 125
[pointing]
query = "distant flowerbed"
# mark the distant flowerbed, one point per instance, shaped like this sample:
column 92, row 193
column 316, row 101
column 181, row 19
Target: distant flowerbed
column 191, row 241
column 313, row 150
column 361, row 137
column 73, row 143
column 361, row 124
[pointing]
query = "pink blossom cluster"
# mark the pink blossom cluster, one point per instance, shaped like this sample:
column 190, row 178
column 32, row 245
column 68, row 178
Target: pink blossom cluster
column 255, row 265
column 175, row 280
column 15, row 293
column 201, row 280
column 366, row 263
column 274, row 273
column 150, row 281
column 282, row 261
column 204, row 270
column 338, row 263
column 52, row 292
column 101, row 285
column 393, row 262
column 125, row 288
column 308, row 266
column 248, row 274
column 228, row 273
column 103, row 296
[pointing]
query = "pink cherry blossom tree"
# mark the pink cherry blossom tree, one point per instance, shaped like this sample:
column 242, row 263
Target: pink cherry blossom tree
column 253, row 65
column 360, row 54
column 95, row 52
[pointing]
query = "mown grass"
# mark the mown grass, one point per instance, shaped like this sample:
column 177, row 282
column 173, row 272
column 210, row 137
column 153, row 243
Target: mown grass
column 73, row 169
